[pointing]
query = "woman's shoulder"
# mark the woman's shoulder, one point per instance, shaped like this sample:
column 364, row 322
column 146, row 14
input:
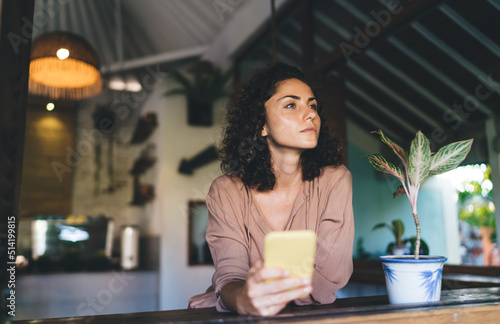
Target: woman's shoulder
column 227, row 191
column 226, row 183
column 332, row 173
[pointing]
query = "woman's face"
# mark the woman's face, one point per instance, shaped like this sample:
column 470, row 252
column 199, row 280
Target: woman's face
column 292, row 119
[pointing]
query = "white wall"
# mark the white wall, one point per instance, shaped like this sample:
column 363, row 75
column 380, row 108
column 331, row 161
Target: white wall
column 448, row 216
column 114, row 204
column 176, row 140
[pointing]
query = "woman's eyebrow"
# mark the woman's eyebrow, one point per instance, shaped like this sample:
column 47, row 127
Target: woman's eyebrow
column 295, row 97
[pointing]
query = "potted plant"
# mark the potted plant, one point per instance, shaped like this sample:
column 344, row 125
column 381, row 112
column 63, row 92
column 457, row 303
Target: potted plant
column 419, row 274
column 400, row 245
column 207, row 85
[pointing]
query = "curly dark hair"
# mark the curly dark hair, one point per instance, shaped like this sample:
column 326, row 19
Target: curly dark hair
column 245, row 153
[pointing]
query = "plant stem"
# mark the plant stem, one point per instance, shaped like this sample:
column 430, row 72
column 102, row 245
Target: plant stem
column 417, row 242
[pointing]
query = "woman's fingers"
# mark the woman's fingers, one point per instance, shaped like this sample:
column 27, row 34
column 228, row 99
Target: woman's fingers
column 256, row 267
column 271, row 304
column 283, row 284
column 202, row 300
column 258, row 273
column 284, row 297
column 269, row 289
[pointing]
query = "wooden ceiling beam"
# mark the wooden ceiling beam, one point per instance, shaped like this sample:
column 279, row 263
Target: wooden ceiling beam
column 389, row 92
column 406, row 14
column 437, row 73
column 382, row 110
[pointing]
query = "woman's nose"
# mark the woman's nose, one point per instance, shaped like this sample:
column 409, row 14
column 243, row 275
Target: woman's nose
column 310, row 113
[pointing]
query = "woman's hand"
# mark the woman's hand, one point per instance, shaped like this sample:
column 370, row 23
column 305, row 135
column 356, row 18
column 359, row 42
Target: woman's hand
column 207, row 299
column 267, row 291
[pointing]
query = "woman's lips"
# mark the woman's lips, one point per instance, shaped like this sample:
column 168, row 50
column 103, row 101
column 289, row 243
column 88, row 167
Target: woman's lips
column 309, row 130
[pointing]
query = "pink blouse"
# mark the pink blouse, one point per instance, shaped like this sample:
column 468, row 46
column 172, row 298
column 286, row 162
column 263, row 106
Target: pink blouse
column 236, row 230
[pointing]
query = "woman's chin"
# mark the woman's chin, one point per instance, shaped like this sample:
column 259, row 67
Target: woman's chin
column 308, row 147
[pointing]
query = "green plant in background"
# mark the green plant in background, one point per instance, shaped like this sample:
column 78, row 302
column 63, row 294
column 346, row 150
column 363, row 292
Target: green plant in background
column 475, row 205
column 418, row 165
column 397, row 228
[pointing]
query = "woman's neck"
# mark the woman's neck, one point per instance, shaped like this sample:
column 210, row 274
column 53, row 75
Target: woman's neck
column 287, row 171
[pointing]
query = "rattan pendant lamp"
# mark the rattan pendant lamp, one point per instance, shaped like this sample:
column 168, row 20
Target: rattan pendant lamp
column 64, row 66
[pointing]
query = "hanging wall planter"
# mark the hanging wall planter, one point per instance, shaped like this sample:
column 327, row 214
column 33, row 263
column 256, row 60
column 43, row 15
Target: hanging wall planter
column 199, row 113
column 202, row 89
column 105, row 123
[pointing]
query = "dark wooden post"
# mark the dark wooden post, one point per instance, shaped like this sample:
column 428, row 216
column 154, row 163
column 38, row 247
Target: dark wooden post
column 16, row 23
column 307, row 34
column 331, row 93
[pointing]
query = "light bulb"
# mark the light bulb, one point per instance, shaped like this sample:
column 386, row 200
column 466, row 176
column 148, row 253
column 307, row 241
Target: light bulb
column 50, row 106
column 116, row 83
column 133, row 84
column 62, row 53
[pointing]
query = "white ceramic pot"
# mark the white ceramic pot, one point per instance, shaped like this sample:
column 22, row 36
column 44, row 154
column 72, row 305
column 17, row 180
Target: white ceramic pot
column 413, row 281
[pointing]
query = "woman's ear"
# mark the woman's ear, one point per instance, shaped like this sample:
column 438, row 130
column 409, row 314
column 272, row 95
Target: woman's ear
column 264, row 131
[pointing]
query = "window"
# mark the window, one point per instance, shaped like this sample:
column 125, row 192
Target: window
column 476, row 214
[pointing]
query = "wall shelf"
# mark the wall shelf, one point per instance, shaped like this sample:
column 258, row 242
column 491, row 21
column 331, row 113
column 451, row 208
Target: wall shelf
column 144, row 128
column 142, row 164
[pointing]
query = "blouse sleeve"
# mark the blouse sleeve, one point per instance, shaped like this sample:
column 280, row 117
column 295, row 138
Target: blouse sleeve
column 226, row 238
column 335, row 237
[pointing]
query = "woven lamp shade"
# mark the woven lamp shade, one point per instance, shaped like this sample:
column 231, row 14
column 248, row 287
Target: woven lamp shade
column 73, row 78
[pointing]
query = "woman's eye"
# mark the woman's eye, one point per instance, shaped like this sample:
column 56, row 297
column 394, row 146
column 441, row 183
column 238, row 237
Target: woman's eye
column 290, row 105
column 314, row 107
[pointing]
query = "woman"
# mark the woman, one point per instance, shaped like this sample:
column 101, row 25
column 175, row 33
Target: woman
column 283, row 171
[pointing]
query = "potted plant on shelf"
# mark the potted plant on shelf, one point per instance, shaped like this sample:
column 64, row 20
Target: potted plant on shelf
column 400, row 245
column 420, row 275
column 207, row 85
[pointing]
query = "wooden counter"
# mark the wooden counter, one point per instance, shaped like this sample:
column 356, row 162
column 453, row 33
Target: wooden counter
column 473, row 305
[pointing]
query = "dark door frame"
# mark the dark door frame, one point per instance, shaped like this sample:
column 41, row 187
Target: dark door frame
column 16, row 27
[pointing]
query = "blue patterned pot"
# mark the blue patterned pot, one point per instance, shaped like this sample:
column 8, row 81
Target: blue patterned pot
column 413, row 281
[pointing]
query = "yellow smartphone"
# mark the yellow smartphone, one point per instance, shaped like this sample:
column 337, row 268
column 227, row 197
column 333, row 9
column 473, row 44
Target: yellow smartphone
column 291, row 250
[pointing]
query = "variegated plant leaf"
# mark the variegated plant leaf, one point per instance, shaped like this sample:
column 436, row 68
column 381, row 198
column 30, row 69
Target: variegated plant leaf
column 420, row 159
column 401, row 190
column 398, row 150
column 380, row 163
column 449, row 157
